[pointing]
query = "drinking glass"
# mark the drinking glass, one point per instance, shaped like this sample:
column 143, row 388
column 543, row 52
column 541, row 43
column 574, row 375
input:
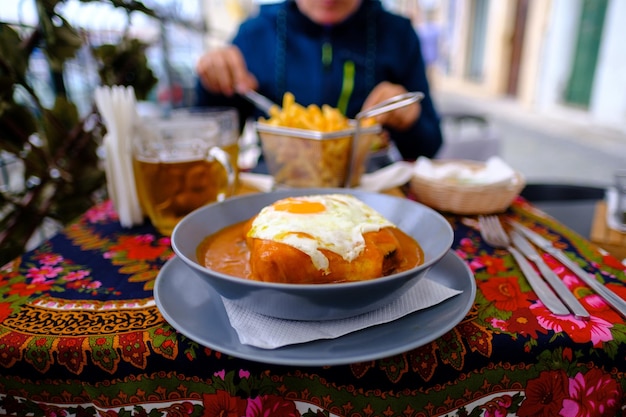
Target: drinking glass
column 184, row 161
column 620, row 185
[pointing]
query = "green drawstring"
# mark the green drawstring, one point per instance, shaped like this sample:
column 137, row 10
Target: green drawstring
column 347, row 86
column 327, row 54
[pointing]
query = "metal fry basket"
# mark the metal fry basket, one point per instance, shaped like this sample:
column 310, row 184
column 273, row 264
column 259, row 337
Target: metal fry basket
column 309, row 158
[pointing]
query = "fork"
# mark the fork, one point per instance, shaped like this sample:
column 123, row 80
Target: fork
column 494, row 234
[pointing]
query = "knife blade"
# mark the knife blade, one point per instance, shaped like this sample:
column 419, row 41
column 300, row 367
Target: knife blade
column 260, row 101
column 553, row 280
column 609, row 296
column 543, row 291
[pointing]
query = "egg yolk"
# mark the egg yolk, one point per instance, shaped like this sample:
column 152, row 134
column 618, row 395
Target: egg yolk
column 299, row 206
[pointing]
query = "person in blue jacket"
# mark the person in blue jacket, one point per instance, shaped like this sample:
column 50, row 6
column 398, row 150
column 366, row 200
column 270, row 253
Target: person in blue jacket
column 349, row 54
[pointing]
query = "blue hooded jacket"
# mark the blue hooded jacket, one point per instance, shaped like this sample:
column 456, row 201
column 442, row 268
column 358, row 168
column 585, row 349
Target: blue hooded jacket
column 337, row 65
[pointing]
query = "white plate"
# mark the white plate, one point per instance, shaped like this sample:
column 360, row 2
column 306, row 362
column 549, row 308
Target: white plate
column 191, row 306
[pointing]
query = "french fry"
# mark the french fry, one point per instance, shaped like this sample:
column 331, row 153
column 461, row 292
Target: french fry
column 312, row 117
column 312, row 163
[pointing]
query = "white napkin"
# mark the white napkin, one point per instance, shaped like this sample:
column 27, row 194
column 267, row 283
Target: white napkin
column 611, row 209
column 118, row 108
column 249, row 149
column 494, row 171
column 394, row 175
column 270, row 333
column 261, row 182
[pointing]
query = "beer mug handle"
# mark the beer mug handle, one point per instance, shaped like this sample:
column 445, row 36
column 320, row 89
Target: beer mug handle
column 217, row 154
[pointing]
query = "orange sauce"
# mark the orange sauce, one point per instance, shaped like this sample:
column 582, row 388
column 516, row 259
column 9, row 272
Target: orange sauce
column 227, row 251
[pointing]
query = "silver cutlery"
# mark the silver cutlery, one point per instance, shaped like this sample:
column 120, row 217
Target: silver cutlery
column 609, row 296
column 260, row 101
column 548, row 274
column 494, row 234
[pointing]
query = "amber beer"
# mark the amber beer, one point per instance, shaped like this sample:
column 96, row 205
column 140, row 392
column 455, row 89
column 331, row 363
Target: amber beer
column 183, row 163
column 168, row 190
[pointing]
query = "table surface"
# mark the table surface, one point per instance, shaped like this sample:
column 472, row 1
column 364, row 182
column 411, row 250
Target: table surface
column 576, row 215
column 80, row 334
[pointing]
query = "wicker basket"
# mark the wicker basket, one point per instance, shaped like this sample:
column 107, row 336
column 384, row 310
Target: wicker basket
column 467, row 199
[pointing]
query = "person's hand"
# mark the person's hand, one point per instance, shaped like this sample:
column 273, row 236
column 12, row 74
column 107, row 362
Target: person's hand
column 224, row 71
column 399, row 119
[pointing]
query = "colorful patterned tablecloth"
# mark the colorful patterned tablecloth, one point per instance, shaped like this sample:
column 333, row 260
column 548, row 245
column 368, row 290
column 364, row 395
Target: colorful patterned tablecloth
column 80, row 335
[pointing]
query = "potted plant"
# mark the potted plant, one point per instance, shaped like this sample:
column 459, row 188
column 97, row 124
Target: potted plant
column 55, row 144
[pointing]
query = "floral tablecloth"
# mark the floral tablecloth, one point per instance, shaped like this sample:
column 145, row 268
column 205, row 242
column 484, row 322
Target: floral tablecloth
column 80, row 335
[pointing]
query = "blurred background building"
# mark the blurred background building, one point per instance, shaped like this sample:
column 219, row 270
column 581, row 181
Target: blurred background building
column 549, row 55
column 551, row 75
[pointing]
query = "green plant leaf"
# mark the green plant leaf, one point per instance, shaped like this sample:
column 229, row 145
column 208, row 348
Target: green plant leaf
column 15, row 62
column 17, row 123
column 59, row 153
column 62, row 43
column 58, row 122
column 126, row 64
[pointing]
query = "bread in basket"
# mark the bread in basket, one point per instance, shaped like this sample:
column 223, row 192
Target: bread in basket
column 469, row 193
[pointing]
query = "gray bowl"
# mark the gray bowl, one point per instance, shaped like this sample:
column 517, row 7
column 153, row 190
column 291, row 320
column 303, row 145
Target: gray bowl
column 313, row 301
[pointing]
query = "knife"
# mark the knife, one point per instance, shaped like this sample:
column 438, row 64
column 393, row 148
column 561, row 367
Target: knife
column 543, row 291
column 260, row 101
column 609, row 296
column 553, row 280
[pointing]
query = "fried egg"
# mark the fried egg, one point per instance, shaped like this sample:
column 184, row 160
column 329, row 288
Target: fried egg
column 334, row 222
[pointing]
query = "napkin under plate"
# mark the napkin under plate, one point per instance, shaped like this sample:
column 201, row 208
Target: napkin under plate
column 270, row 333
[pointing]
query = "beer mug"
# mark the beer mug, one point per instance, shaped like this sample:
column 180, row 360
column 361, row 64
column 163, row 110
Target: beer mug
column 183, row 162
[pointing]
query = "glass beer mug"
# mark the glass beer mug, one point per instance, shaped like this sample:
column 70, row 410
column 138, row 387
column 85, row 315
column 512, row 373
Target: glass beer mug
column 183, row 162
